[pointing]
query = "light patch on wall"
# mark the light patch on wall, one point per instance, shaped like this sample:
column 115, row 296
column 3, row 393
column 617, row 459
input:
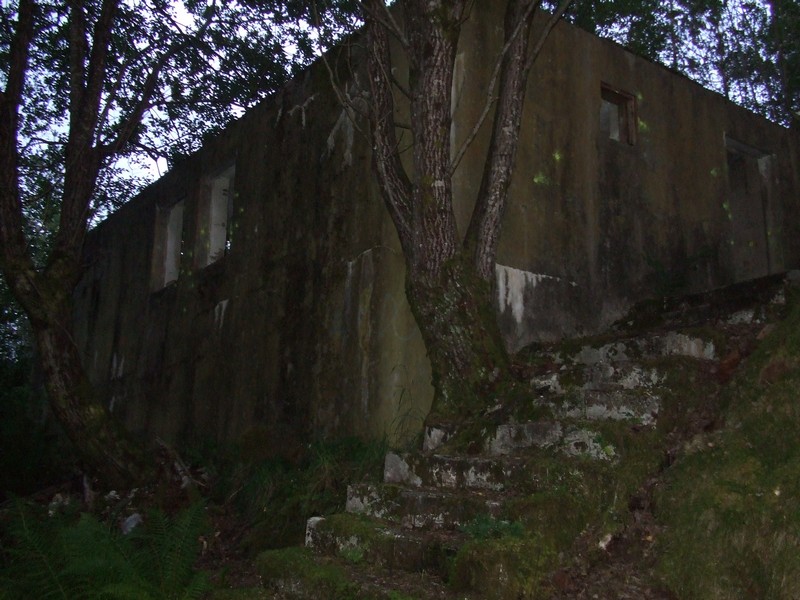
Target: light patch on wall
column 302, row 108
column 643, row 126
column 557, row 156
column 726, row 206
column 512, row 284
column 344, row 124
column 219, row 313
column 541, row 179
column 117, row 367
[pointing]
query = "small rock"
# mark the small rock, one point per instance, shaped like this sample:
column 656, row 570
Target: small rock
column 130, row 523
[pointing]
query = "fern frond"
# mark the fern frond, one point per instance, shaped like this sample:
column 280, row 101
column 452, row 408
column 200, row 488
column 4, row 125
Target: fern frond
column 172, row 548
column 35, row 557
column 180, row 552
column 56, row 559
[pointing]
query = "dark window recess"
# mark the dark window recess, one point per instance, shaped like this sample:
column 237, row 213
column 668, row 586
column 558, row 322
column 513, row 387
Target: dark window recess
column 617, row 115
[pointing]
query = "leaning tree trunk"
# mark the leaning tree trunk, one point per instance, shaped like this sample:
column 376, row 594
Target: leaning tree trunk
column 103, row 446
column 98, row 439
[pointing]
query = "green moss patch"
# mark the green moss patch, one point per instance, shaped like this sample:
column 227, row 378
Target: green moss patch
column 294, row 571
column 508, row 567
column 731, row 503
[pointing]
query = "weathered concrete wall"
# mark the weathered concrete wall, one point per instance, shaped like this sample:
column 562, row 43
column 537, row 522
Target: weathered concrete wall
column 302, row 327
column 596, row 224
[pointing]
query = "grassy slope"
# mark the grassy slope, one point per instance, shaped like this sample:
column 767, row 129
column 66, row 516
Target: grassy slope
column 731, row 503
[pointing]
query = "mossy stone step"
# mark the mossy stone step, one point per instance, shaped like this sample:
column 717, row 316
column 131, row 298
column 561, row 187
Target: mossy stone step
column 513, row 436
column 601, row 376
column 421, row 508
column 631, row 349
column 359, row 539
column 460, row 472
column 521, row 439
column 641, row 407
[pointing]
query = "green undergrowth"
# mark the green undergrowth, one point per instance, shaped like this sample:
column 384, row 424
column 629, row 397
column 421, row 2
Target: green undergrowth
column 501, row 559
column 575, row 496
column 295, row 569
column 296, row 573
column 506, row 567
column 34, row 451
column 485, row 527
column 69, row 556
column 275, row 497
column 731, row 504
column 514, row 556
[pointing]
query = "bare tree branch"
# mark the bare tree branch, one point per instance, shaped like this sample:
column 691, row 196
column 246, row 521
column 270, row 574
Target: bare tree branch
column 13, row 245
column 490, row 96
column 484, row 229
column 551, row 22
column 134, row 119
column 394, row 183
column 384, row 16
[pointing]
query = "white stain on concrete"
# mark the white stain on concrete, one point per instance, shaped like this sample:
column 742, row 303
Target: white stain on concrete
column 302, row 108
column 117, row 367
column 679, row 344
column 343, row 125
column 219, row 313
column 512, row 284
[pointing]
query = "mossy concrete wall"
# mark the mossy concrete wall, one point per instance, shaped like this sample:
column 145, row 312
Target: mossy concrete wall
column 596, row 224
column 302, row 329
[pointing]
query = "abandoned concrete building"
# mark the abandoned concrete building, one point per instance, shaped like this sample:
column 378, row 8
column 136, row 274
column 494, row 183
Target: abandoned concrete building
column 259, row 285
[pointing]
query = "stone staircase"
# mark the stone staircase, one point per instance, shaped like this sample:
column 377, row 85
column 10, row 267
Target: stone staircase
column 557, row 468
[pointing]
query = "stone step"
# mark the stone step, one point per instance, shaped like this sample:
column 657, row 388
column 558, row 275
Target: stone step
column 460, row 472
column 515, row 438
column 512, row 438
column 601, row 376
column 421, row 508
column 435, row 435
column 637, row 406
column 359, row 539
column 631, row 349
column 750, row 302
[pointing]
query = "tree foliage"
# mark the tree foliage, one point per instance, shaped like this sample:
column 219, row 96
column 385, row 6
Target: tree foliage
column 172, row 74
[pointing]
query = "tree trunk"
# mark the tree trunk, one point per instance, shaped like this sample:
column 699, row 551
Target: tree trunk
column 450, row 301
column 45, row 294
column 455, row 314
column 100, row 442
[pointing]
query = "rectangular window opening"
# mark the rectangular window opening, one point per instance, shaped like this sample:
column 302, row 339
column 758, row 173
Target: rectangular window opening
column 617, row 115
column 215, row 233
column 168, row 244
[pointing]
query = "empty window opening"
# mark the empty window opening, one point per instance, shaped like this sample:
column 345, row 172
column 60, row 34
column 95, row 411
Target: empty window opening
column 750, row 177
column 617, row 115
column 215, row 236
column 168, row 247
